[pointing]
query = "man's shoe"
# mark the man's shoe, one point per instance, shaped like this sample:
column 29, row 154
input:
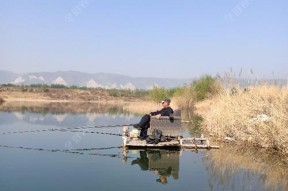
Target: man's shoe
column 137, row 126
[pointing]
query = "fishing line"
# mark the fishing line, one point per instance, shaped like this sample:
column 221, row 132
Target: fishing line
column 72, row 151
column 97, row 132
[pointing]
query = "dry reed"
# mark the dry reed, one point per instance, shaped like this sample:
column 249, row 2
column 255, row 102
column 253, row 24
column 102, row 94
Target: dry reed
column 257, row 116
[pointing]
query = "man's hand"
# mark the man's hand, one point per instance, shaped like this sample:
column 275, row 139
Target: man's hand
column 158, row 116
column 171, row 117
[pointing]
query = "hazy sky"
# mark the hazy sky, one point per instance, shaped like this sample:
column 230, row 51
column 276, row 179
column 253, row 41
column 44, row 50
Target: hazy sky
column 145, row 38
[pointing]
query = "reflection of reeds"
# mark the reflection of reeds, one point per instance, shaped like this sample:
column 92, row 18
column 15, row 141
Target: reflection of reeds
column 223, row 164
column 58, row 107
column 140, row 107
column 239, row 116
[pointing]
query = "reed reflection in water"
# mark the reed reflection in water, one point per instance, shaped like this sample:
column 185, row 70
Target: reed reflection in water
column 62, row 107
column 256, row 165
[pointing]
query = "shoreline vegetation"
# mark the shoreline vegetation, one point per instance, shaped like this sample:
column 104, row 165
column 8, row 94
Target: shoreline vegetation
column 255, row 115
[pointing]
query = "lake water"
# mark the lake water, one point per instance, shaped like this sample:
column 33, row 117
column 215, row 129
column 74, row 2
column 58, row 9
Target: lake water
column 40, row 151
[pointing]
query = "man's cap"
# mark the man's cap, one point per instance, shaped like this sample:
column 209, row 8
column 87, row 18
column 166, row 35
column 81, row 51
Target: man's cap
column 166, row 100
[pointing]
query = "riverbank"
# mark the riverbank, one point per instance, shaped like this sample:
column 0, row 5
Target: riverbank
column 257, row 117
column 57, row 95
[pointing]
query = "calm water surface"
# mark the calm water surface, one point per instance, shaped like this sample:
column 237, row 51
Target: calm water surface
column 79, row 160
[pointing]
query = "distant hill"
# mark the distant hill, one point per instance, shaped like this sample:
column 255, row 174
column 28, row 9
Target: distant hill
column 103, row 80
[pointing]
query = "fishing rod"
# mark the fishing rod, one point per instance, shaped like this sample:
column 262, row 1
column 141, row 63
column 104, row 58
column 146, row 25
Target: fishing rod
column 61, row 130
column 72, row 129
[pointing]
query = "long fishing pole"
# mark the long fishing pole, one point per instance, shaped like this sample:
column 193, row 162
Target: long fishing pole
column 70, row 129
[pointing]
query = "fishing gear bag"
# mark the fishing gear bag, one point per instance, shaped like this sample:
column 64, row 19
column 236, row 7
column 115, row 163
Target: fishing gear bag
column 156, row 137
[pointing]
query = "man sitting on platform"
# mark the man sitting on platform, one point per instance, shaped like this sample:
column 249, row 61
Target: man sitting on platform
column 144, row 123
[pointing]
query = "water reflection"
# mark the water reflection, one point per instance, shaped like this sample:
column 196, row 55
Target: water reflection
column 229, row 168
column 62, row 108
column 192, row 122
column 64, row 114
column 163, row 163
column 234, row 167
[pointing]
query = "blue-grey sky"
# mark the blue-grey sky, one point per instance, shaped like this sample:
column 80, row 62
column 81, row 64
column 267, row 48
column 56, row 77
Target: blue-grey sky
column 145, row 38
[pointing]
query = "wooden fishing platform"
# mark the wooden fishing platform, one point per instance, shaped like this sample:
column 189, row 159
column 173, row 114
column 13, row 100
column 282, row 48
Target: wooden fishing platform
column 171, row 129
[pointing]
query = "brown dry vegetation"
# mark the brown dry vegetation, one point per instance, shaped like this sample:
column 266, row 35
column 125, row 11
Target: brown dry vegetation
column 1, row 100
column 238, row 116
column 58, row 95
column 141, row 107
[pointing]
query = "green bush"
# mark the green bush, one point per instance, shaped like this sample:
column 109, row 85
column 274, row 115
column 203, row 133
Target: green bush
column 157, row 94
column 205, row 87
column 8, row 85
column 38, row 86
column 58, row 86
column 198, row 90
column 127, row 93
column 113, row 92
column 74, row 87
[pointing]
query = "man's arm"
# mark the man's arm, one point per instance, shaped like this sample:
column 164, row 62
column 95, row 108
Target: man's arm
column 155, row 113
column 164, row 112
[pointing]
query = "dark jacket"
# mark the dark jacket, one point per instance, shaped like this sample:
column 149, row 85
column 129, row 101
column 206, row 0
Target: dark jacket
column 167, row 111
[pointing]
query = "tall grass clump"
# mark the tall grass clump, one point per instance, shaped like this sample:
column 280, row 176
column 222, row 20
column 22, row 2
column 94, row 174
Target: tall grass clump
column 257, row 116
column 185, row 97
column 199, row 90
